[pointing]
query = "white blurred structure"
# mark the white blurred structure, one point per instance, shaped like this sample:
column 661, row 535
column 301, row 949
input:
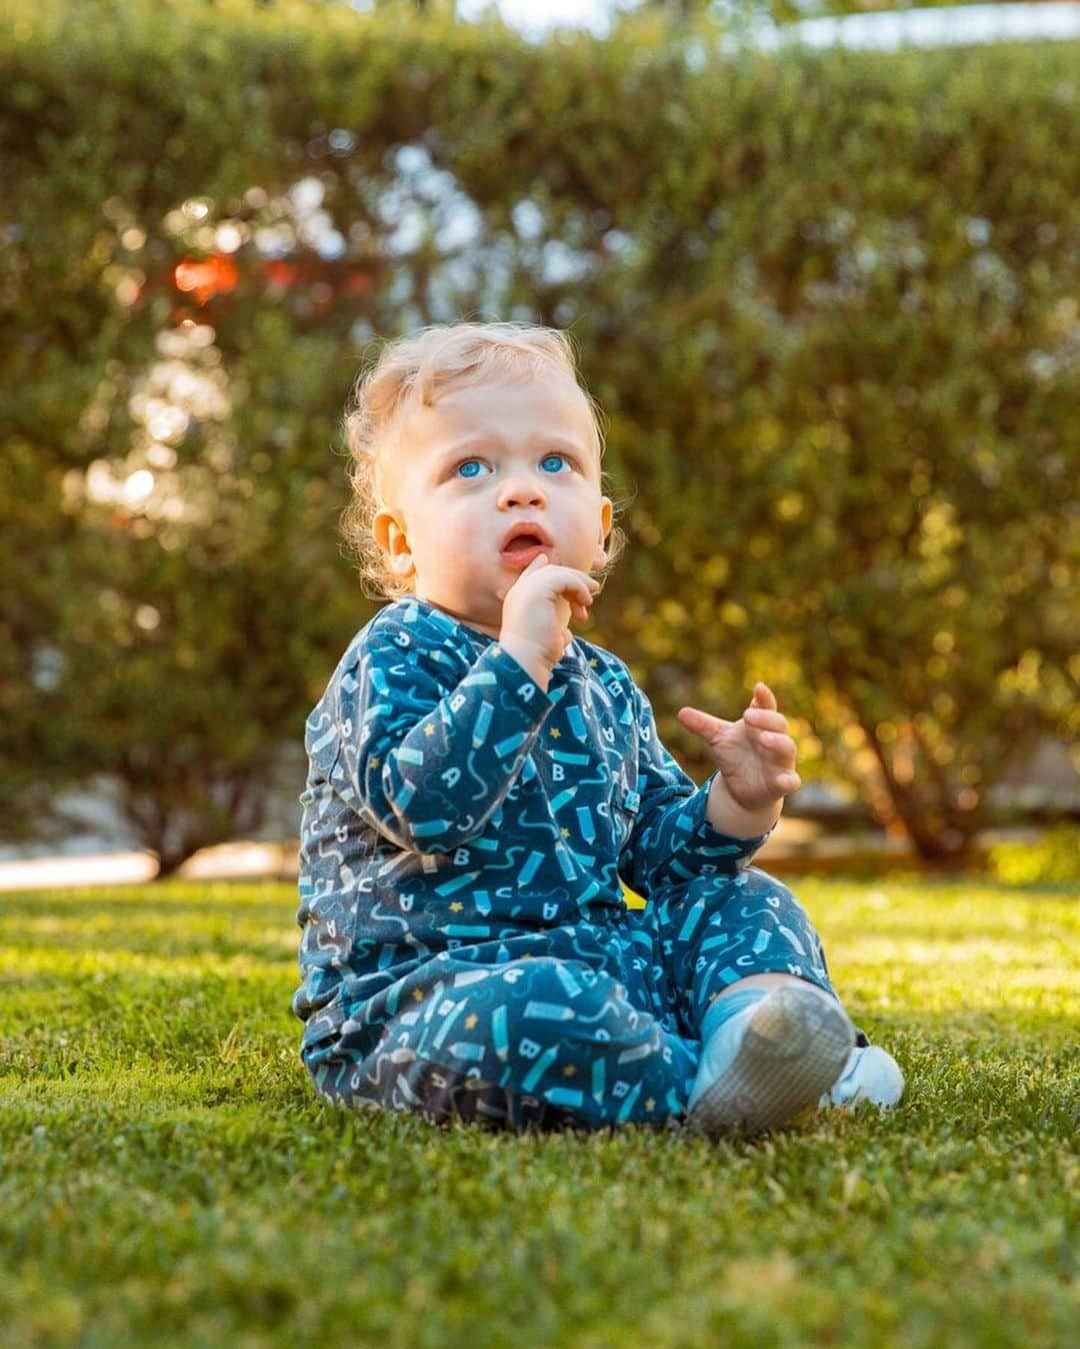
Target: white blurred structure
column 949, row 26
column 955, row 26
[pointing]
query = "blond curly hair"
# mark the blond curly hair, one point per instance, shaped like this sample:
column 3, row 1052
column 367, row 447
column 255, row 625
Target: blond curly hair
column 415, row 369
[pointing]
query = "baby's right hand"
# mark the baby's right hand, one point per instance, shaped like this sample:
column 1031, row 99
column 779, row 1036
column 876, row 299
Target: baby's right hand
column 536, row 611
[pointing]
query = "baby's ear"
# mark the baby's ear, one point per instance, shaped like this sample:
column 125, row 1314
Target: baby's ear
column 601, row 556
column 380, row 528
column 391, row 538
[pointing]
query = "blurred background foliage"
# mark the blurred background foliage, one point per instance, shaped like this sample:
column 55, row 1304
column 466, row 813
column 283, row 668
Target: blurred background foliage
column 829, row 301
column 1050, row 861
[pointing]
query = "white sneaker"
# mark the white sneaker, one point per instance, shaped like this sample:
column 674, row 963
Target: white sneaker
column 869, row 1075
column 795, row 1041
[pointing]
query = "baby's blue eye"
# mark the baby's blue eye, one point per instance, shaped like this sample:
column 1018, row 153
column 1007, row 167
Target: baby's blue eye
column 466, row 467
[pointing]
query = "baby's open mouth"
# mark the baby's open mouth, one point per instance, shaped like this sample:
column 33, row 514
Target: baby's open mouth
column 522, row 542
column 521, row 550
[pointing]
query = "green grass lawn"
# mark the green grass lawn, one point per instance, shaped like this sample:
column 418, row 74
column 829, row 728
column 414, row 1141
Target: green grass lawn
column 167, row 1177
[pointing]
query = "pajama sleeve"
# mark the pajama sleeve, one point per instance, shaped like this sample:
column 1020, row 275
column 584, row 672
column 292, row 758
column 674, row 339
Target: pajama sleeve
column 671, row 839
column 423, row 754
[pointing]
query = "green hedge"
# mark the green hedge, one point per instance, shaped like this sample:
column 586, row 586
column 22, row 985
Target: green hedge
column 828, row 300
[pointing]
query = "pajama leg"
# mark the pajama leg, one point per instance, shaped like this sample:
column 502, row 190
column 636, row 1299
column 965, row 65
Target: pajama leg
column 717, row 929
column 541, row 1041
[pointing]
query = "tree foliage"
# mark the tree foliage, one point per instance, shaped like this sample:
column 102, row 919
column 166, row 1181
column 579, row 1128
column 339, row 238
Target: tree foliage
column 827, row 299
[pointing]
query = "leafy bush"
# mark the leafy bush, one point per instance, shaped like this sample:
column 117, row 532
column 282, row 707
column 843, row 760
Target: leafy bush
column 827, row 300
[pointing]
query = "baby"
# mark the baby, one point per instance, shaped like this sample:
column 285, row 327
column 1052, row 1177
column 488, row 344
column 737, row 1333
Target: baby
column 482, row 782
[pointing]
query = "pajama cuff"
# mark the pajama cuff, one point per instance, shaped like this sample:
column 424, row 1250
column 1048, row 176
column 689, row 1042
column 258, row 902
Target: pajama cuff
column 708, row 844
column 523, row 693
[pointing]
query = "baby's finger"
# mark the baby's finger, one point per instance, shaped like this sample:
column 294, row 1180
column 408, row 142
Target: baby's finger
column 703, row 723
column 765, row 720
column 577, row 595
column 780, row 747
column 764, row 696
column 561, row 573
column 537, row 564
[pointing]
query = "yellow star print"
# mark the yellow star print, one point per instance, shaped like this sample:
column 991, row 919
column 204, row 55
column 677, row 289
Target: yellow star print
column 471, row 1020
column 374, row 761
column 418, row 995
column 593, row 661
column 555, row 733
column 565, row 832
column 456, row 907
column 649, row 1103
column 429, row 729
column 569, row 1070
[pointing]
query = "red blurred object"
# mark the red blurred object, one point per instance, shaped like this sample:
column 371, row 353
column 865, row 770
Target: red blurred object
column 205, row 277
column 281, row 273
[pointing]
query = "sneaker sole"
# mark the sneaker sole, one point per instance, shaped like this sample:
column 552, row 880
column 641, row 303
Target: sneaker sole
column 793, row 1050
column 878, row 1081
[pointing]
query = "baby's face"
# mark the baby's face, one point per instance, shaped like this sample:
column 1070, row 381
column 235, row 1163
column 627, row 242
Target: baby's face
column 482, row 459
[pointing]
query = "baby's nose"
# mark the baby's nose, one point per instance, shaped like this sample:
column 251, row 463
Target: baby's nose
column 522, row 490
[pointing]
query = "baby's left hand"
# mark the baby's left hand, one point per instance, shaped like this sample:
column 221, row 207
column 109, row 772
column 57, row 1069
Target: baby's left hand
column 755, row 756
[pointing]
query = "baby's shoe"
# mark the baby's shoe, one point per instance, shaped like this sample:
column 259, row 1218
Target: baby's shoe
column 870, row 1074
column 768, row 1059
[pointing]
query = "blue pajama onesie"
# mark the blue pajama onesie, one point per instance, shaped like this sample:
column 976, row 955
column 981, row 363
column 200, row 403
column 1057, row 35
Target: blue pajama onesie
column 466, row 950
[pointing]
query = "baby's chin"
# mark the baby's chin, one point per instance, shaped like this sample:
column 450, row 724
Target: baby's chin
column 486, row 619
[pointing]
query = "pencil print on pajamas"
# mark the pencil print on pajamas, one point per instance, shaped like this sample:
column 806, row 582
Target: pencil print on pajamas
column 466, row 950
